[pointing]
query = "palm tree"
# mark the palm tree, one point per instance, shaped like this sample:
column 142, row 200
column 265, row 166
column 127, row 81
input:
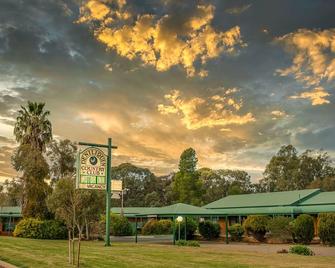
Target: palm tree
column 32, row 126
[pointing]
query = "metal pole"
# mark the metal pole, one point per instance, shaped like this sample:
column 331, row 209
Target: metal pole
column 226, row 221
column 135, row 229
column 108, row 193
column 121, row 203
column 185, row 236
column 178, row 230
column 174, row 230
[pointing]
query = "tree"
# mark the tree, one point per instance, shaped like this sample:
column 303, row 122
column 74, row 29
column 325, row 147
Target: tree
column 289, row 171
column 62, row 156
column 32, row 126
column 187, row 185
column 33, row 131
column 75, row 207
column 11, row 192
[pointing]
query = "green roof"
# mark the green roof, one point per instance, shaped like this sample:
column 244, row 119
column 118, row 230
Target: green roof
column 284, row 210
column 10, row 211
column 272, row 199
column 322, row 198
column 133, row 211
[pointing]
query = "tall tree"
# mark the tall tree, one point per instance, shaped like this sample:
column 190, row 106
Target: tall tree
column 33, row 127
column 62, row 158
column 33, row 131
column 187, row 186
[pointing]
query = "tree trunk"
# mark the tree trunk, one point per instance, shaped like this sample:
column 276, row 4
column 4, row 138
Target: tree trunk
column 78, row 253
column 69, row 244
column 73, row 252
column 87, row 230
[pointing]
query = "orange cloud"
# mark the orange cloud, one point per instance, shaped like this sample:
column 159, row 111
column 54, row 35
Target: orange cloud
column 198, row 112
column 155, row 41
column 317, row 96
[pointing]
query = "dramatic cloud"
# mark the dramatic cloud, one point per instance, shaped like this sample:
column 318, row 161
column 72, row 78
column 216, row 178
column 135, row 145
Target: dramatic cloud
column 158, row 40
column 238, row 9
column 198, row 112
column 278, row 114
column 314, row 53
column 313, row 61
column 317, row 96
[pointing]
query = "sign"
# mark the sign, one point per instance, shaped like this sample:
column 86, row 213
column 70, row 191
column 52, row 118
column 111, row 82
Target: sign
column 116, row 185
column 92, row 169
column 116, row 195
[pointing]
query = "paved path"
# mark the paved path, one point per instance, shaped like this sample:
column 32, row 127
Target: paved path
column 6, row 265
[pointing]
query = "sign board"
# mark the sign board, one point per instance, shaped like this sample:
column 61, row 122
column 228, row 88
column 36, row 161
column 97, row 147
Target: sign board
column 116, row 186
column 116, row 195
column 92, row 169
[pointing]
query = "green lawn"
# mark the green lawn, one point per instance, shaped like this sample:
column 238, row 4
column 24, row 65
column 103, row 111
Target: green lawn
column 51, row 253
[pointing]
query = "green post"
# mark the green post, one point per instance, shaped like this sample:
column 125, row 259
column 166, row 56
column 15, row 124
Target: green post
column 108, row 194
column 185, row 237
column 226, row 223
column 135, row 229
column 174, row 230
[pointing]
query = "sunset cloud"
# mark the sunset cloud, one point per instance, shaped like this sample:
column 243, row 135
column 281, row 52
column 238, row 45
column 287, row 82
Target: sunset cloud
column 314, row 52
column 199, row 112
column 156, row 40
column 317, row 96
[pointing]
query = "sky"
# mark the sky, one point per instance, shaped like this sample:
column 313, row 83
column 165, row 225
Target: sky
column 235, row 80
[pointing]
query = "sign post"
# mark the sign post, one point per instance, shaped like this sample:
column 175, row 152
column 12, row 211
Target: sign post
column 92, row 174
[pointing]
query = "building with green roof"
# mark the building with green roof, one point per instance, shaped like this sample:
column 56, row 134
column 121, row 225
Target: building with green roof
column 9, row 216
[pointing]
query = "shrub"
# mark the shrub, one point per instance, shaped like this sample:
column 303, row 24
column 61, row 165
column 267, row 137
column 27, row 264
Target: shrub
column 280, row 228
column 326, row 228
column 236, row 232
column 191, row 227
column 160, row 227
column 209, row 230
column 38, row 229
column 301, row 250
column 190, row 243
column 256, row 225
column 303, row 229
column 120, row 226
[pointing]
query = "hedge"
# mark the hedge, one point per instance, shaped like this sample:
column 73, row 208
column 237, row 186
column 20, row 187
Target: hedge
column 256, row 225
column 39, row 229
column 155, row 227
column 280, row 228
column 326, row 228
column 303, row 229
column 209, row 230
column 191, row 227
column 236, row 232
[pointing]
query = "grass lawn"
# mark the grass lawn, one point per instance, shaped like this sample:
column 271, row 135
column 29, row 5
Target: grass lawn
column 52, row 253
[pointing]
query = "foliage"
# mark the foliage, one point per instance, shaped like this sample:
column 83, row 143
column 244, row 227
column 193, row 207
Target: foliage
column 209, row 230
column 142, row 186
column 32, row 126
column 191, row 227
column 236, row 232
column 325, row 184
column 120, row 226
column 256, row 225
column 289, row 171
column 326, row 228
column 187, row 243
column 301, row 250
column 187, row 186
column 39, row 229
column 280, row 228
column 303, row 229
column 11, row 192
column 155, row 227
column 62, row 157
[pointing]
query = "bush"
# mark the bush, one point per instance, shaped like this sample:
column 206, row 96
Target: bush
column 190, row 243
column 280, row 228
column 236, row 232
column 191, row 227
column 256, row 225
column 209, row 230
column 120, row 226
column 301, row 250
column 154, row 227
column 38, row 229
column 303, row 229
column 326, row 228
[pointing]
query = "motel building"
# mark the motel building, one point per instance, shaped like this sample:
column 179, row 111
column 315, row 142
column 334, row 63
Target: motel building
column 226, row 211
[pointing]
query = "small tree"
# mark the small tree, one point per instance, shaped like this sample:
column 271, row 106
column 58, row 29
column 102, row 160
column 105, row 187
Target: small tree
column 236, row 232
column 326, row 228
column 209, row 230
column 257, row 226
column 303, row 229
